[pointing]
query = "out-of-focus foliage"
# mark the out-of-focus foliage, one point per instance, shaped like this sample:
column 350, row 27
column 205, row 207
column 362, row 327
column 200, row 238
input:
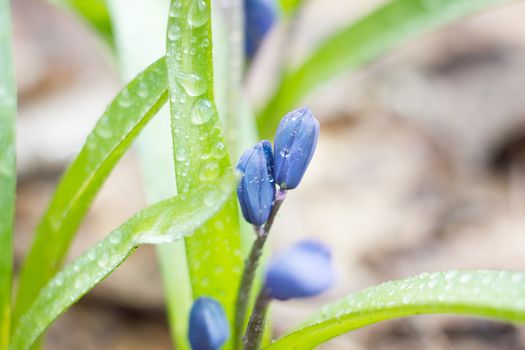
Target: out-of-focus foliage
column 125, row 117
column 163, row 222
column 7, row 170
column 359, row 43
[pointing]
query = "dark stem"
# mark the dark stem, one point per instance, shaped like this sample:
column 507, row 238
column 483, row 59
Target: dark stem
column 250, row 268
column 255, row 330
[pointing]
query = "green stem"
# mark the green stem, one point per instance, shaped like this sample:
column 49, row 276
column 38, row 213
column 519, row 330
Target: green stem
column 250, row 268
column 255, row 330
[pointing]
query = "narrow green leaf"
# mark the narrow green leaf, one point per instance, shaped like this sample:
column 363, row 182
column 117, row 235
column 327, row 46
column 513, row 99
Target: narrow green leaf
column 164, row 222
column 290, row 6
column 494, row 294
column 213, row 252
column 136, row 48
column 94, row 12
column 7, row 170
column 125, row 117
column 359, row 43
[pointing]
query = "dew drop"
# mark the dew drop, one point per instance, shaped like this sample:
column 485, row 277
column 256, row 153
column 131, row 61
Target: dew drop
column 465, row 278
column 91, row 255
column 199, row 14
column 211, row 198
column 174, row 10
column 219, row 150
column 174, row 32
column 143, row 90
column 451, row 274
column 193, row 84
column 124, row 99
column 180, row 155
column 202, row 112
column 285, row 153
column 209, row 172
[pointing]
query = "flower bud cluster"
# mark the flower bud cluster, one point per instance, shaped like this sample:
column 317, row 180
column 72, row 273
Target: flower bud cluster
column 294, row 146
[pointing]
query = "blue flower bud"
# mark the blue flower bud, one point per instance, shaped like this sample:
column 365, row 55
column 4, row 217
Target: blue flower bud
column 256, row 190
column 302, row 271
column 208, row 328
column 294, row 146
column 260, row 16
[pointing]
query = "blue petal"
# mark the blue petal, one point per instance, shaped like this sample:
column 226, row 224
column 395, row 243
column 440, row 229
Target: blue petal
column 208, row 326
column 302, row 271
column 260, row 16
column 256, row 191
column 295, row 143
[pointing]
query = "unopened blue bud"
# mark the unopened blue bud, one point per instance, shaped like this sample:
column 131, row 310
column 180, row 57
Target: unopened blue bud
column 294, row 146
column 260, row 16
column 304, row 270
column 256, row 190
column 208, row 328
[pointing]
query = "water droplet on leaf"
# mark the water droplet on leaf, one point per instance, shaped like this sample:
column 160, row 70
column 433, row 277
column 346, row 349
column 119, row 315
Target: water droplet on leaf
column 202, row 112
column 199, row 14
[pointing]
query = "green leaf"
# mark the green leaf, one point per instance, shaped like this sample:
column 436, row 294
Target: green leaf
column 7, row 170
column 136, row 48
column 290, row 6
column 163, row 222
column 359, row 43
column 494, row 294
column 125, row 117
column 94, row 12
column 213, row 252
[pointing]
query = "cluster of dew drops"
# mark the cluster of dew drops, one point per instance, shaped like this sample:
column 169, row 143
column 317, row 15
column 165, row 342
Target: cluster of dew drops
column 194, row 86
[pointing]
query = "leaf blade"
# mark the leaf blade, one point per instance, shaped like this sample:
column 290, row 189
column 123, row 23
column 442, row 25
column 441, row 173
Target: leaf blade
column 125, row 117
column 164, row 222
column 7, row 170
column 200, row 151
column 358, row 44
column 94, row 12
column 493, row 294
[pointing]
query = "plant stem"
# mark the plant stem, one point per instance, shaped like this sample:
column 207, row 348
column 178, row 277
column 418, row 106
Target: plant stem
column 250, row 268
column 255, row 329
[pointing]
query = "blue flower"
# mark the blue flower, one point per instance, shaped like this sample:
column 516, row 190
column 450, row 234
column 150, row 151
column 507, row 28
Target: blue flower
column 302, row 271
column 294, row 146
column 256, row 190
column 260, row 16
column 208, row 328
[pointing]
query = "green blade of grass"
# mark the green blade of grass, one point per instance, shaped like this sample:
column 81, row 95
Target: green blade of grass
column 94, row 12
column 200, row 153
column 136, row 48
column 124, row 118
column 359, row 43
column 497, row 295
column 7, row 170
column 164, row 222
column 290, row 6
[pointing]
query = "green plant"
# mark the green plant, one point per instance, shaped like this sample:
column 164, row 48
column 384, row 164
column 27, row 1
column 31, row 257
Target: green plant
column 203, row 215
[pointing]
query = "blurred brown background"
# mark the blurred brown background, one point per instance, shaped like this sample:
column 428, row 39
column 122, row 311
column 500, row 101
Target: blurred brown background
column 420, row 167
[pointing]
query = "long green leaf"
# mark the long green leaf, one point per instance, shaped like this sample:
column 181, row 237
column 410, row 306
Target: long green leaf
column 213, row 252
column 94, row 12
column 493, row 294
column 125, row 117
column 7, row 170
column 290, row 6
column 359, row 43
column 136, row 48
column 163, row 222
